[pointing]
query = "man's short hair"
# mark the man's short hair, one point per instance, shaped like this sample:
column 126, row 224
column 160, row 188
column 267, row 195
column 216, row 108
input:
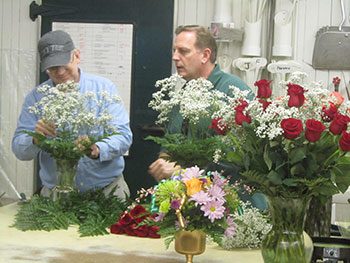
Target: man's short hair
column 204, row 38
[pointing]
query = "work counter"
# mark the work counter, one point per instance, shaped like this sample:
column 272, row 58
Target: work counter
column 65, row 246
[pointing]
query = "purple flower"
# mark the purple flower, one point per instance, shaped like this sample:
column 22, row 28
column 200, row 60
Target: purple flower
column 217, row 193
column 218, row 180
column 213, row 209
column 175, row 204
column 192, row 172
column 159, row 217
column 200, row 198
column 231, row 227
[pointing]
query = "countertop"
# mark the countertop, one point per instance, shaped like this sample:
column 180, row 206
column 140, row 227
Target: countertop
column 63, row 246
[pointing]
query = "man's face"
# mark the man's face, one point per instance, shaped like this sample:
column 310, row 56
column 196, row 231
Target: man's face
column 187, row 58
column 61, row 74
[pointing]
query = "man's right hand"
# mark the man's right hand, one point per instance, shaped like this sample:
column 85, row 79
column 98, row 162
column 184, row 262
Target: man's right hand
column 162, row 169
column 44, row 128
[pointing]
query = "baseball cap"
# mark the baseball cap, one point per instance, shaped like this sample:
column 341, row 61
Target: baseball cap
column 55, row 49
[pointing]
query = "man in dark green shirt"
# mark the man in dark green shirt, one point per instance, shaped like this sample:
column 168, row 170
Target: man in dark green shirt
column 194, row 55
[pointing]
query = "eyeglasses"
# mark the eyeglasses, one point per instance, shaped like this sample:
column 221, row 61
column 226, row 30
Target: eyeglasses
column 56, row 69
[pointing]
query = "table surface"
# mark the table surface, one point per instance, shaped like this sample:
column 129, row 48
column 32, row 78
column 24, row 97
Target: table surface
column 63, row 246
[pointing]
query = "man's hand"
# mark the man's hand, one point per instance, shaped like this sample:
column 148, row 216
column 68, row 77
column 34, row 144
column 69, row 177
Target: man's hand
column 44, row 128
column 162, row 169
column 95, row 151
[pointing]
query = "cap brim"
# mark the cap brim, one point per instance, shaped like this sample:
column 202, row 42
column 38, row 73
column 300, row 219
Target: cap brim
column 55, row 60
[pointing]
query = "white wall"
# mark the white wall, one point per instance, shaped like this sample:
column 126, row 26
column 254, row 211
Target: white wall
column 18, row 72
column 17, row 75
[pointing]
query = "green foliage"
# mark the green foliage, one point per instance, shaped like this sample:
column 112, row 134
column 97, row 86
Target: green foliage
column 92, row 211
column 188, row 152
column 66, row 146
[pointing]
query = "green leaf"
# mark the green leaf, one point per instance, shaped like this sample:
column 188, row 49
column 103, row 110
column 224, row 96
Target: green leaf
column 275, row 177
column 267, row 159
column 290, row 182
column 297, row 155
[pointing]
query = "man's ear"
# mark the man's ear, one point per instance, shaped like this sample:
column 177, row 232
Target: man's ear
column 77, row 55
column 206, row 55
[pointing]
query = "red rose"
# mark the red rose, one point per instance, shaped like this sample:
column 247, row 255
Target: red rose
column 344, row 142
column 117, row 228
column 153, row 232
column 264, row 90
column 265, row 104
column 240, row 118
column 126, row 219
column 141, row 231
column 296, row 95
column 291, row 128
column 328, row 114
column 339, row 124
column 218, row 126
column 137, row 211
column 130, row 230
column 313, row 130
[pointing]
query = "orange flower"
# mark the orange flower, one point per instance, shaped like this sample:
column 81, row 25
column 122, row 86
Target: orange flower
column 193, row 186
column 339, row 97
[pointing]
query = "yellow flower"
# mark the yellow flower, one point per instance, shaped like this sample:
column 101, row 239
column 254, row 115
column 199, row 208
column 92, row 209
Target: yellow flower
column 193, row 186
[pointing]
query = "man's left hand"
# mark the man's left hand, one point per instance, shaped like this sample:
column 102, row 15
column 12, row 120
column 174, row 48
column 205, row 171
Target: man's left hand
column 95, row 152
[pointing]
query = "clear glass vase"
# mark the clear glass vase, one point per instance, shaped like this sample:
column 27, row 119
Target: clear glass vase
column 285, row 242
column 66, row 171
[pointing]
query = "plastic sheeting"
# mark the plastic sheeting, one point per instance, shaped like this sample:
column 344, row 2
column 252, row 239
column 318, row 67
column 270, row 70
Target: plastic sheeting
column 17, row 76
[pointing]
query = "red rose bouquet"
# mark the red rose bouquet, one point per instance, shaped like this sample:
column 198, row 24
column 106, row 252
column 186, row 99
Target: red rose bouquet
column 135, row 223
column 291, row 146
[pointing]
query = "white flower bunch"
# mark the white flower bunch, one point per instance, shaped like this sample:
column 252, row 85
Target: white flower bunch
column 73, row 111
column 251, row 228
column 195, row 99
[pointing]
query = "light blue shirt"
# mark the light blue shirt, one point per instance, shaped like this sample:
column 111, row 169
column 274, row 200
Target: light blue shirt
column 91, row 173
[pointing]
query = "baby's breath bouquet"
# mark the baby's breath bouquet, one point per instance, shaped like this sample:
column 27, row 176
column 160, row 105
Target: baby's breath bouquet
column 80, row 119
column 185, row 110
column 250, row 228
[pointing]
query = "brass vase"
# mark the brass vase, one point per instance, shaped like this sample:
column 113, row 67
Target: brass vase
column 190, row 243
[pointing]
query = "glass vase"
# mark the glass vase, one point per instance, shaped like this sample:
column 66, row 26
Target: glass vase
column 285, row 242
column 318, row 219
column 66, row 171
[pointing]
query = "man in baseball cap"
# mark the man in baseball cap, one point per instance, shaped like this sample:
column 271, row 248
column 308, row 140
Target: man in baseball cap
column 104, row 167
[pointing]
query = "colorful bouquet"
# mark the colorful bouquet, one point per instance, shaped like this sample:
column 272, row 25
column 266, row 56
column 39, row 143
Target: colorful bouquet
column 194, row 200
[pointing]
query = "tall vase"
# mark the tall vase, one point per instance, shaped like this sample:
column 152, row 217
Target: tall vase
column 285, row 242
column 66, row 171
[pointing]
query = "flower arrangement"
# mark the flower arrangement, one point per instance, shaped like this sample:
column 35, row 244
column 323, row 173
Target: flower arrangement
column 194, row 200
column 291, row 146
column 80, row 119
column 251, row 227
column 185, row 110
